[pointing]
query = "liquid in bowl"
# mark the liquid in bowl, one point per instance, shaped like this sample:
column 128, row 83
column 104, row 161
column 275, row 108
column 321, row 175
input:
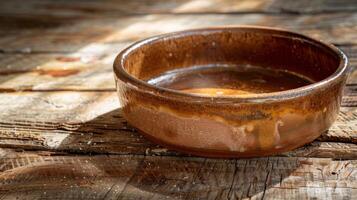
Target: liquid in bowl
column 229, row 80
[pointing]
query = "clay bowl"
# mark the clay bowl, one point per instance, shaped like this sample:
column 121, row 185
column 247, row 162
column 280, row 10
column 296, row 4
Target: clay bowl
column 256, row 124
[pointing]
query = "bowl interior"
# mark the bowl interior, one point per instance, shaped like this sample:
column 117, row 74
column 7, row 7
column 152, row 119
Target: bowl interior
column 268, row 48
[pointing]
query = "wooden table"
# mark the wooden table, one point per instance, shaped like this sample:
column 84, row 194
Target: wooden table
column 62, row 135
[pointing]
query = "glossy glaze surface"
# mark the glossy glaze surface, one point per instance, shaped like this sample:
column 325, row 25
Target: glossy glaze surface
column 254, row 123
column 225, row 80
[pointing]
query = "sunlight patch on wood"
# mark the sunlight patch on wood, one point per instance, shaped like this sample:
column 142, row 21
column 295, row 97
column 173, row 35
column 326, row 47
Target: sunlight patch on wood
column 194, row 5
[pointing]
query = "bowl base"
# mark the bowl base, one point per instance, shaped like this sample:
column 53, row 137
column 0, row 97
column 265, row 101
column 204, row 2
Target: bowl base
column 210, row 153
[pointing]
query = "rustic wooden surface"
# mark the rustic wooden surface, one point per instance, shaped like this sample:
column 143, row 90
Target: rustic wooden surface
column 62, row 135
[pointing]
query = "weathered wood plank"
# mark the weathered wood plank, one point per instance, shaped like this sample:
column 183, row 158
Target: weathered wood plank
column 88, row 70
column 75, row 35
column 42, row 175
column 91, row 122
column 345, row 127
column 122, row 7
column 351, row 52
column 310, row 7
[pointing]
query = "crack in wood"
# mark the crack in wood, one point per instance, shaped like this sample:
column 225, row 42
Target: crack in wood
column 267, row 177
column 233, row 179
column 195, row 177
column 120, row 196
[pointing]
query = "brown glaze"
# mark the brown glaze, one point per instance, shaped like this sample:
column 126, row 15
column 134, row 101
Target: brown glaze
column 254, row 123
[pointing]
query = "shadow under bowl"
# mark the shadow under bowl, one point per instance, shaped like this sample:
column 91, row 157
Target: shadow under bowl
column 254, row 124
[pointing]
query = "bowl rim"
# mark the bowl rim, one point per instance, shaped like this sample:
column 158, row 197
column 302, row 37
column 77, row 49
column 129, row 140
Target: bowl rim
column 143, row 86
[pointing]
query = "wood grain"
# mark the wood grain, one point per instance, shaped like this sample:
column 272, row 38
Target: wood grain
column 71, row 35
column 46, row 176
column 78, row 71
column 122, row 7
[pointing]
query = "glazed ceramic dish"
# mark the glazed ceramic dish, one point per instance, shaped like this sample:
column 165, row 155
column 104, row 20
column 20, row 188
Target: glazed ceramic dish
column 232, row 125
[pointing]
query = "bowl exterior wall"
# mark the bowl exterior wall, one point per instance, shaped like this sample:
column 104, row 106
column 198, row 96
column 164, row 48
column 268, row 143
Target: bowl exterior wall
column 232, row 129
